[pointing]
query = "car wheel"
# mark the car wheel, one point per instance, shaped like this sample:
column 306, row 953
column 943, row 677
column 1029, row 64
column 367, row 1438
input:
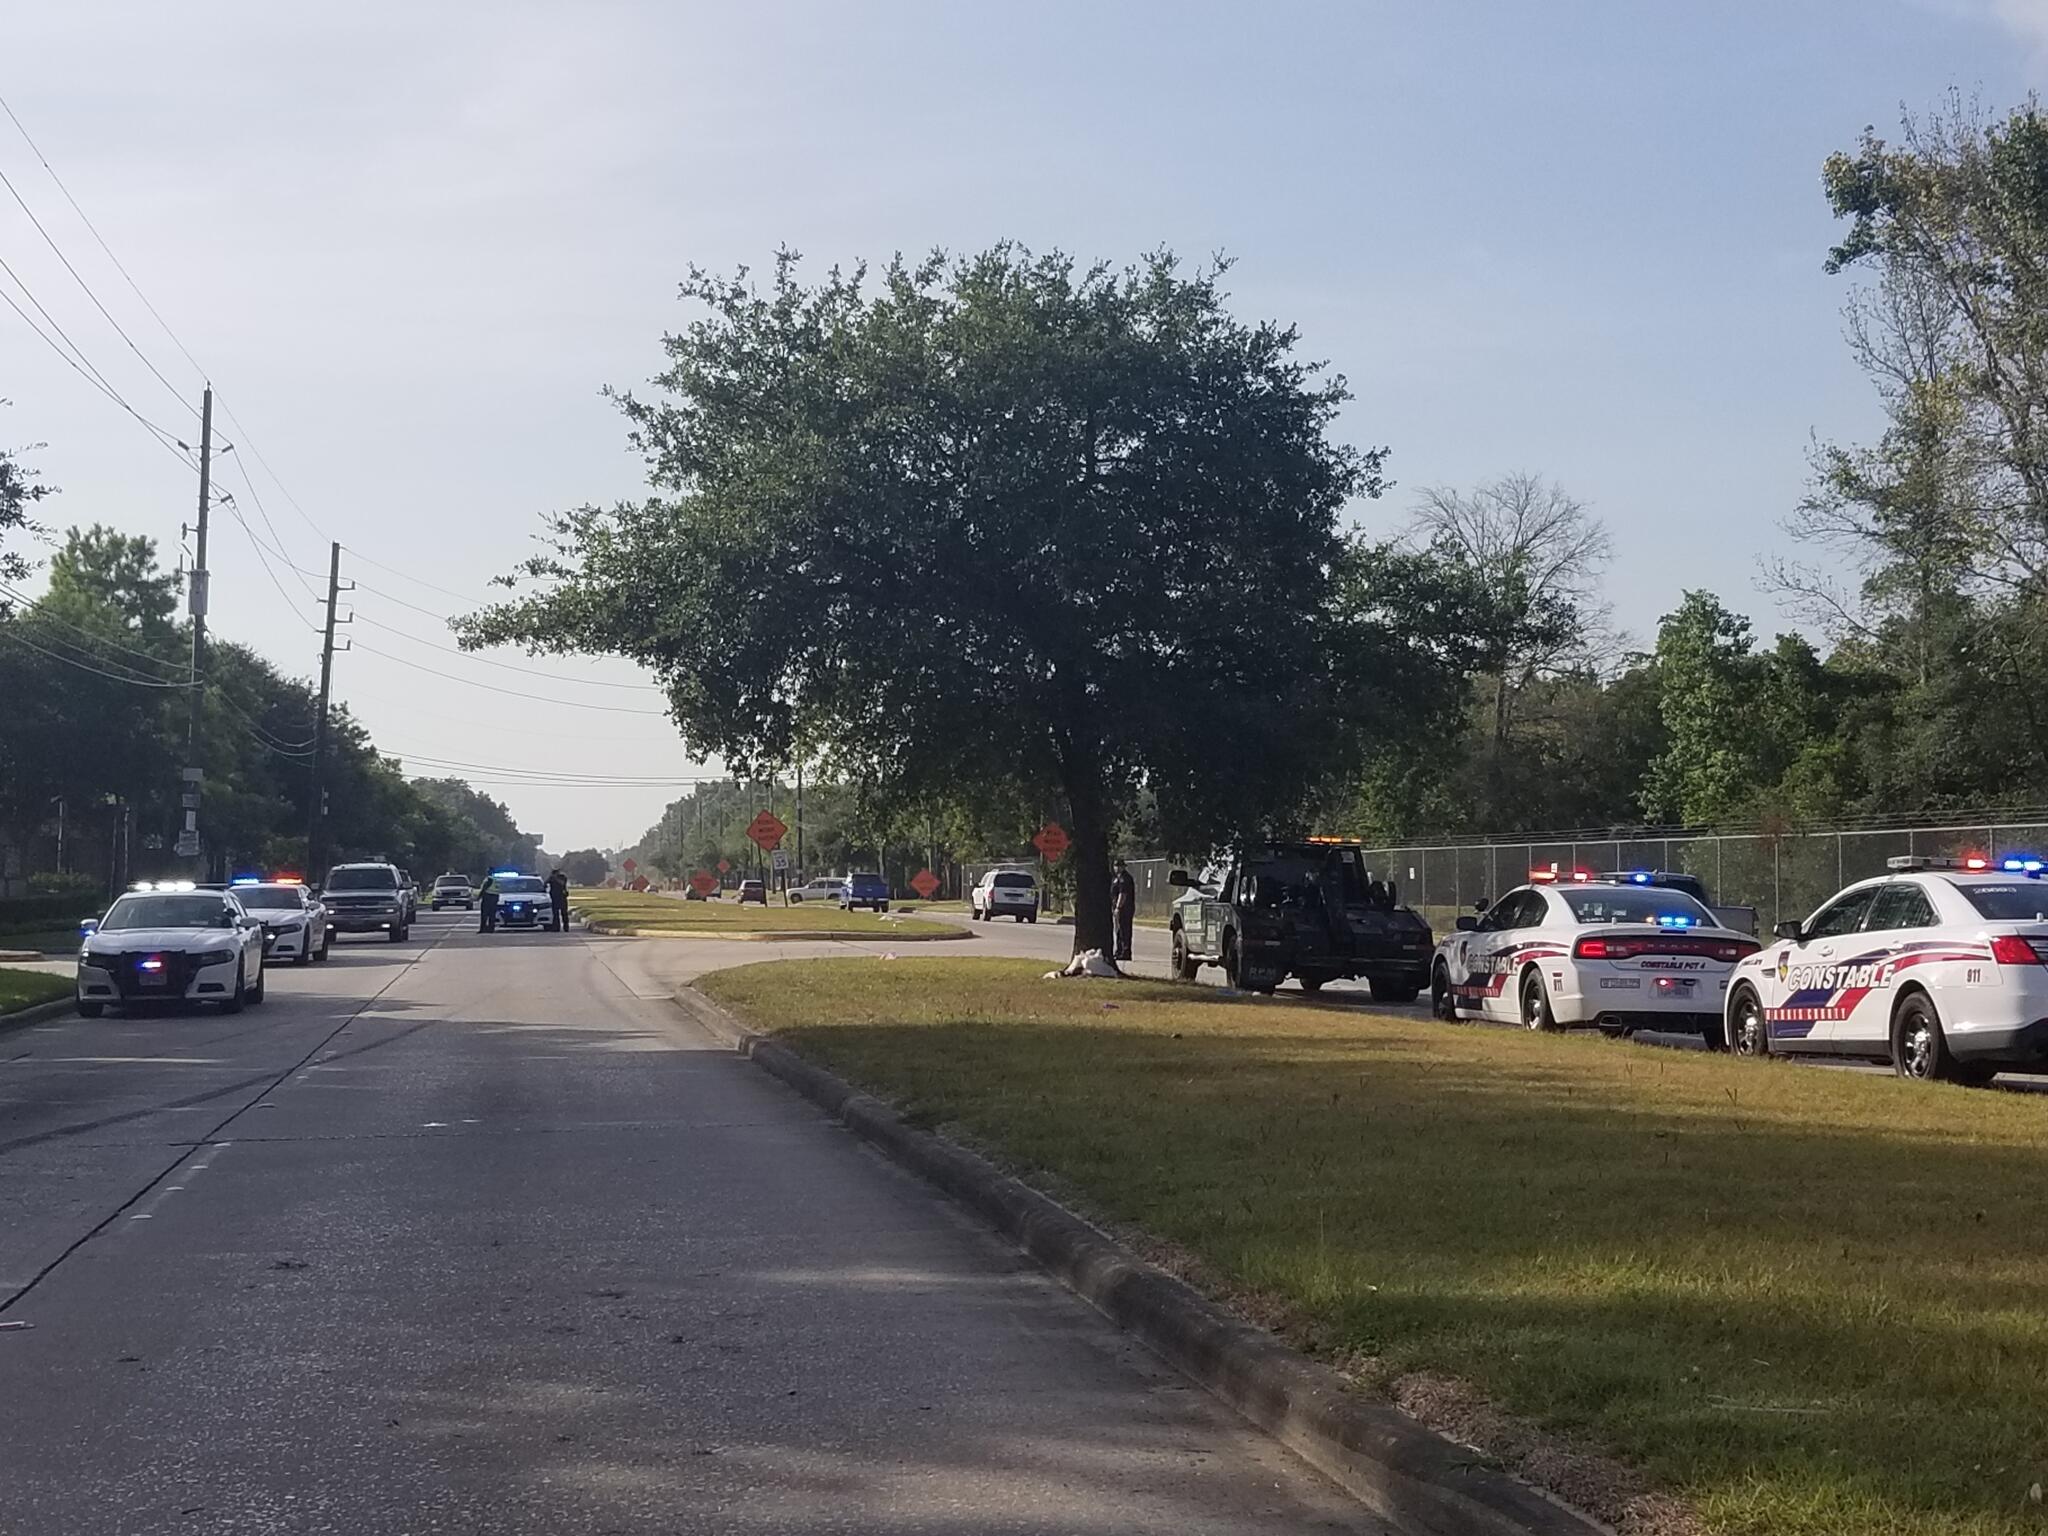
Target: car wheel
column 305, row 954
column 398, row 933
column 1920, row 1049
column 1443, row 1002
column 1394, row 992
column 256, row 993
column 90, row 1010
column 1185, row 966
column 1748, row 1028
column 1536, row 1012
column 1031, row 917
column 1311, row 984
column 233, row 1002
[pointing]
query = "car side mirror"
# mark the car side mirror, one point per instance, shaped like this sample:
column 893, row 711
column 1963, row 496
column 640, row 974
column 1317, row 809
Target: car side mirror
column 1468, row 925
column 1793, row 930
column 1178, row 877
column 88, row 928
column 1481, row 904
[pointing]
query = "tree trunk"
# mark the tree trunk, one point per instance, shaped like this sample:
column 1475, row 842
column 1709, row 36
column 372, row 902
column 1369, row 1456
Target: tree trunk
column 1094, row 926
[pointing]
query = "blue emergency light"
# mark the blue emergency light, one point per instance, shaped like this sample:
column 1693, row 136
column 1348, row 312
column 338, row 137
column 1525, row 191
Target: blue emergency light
column 245, row 880
column 1674, row 920
column 2021, row 864
column 504, row 874
column 1641, row 877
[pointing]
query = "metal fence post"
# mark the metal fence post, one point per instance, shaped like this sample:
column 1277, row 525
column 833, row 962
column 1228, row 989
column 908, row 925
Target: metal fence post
column 1777, row 882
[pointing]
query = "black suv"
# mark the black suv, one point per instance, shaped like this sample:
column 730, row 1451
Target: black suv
column 1310, row 910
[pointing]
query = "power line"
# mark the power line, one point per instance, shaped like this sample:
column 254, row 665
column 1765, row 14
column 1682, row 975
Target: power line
column 87, row 289
column 460, row 597
column 42, row 617
column 12, row 631
column 470, row 682
column 455, row 650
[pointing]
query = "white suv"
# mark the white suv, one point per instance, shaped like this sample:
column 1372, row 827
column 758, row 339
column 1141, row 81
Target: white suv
column 1004, row 893
column 824, row 888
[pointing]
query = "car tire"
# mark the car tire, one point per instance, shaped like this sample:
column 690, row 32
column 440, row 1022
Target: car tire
column 1312, row 984
column 90, row 1010
column 262, row 988
column 1443, row 1001
column 1536, row 1014
column 1920, row 1048
column 233, row 1002
column 1240, row 978
column 1032, row 918
column 1185, row 967
column 305, row 954
column 1394, row 992
column 398, row 933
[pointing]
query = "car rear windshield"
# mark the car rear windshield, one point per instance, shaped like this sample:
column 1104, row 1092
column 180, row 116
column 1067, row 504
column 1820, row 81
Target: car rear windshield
column 864, row 880
column 370, row 877
column 451, row 883
column 2024, row 901
column 1016, row 882
column 167, row 912
column 269, row 896
column 1635, row 904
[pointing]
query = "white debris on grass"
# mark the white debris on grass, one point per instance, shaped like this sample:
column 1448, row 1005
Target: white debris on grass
column 1090, row 962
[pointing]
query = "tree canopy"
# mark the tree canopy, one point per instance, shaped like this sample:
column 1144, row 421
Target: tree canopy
column 1001, row 523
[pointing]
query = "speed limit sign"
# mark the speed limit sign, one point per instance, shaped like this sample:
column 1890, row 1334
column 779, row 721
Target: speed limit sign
column 780, row 860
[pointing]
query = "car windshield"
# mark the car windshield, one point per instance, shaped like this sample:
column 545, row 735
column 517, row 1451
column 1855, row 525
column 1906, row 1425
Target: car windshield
column 2024, row 901
column 1017, row 882
column 373, row 877
column 521, row 885
column 267, row 896
column 451, row 883
column 1635, row 904
column 167, row 912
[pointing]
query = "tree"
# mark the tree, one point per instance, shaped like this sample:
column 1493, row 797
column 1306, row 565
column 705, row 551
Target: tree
column 19, row 492
column 1000, row 520
column 586, row 866
column 1708, row 765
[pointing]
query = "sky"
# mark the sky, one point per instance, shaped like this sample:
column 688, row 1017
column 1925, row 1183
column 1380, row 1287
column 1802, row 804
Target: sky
column 410, row 244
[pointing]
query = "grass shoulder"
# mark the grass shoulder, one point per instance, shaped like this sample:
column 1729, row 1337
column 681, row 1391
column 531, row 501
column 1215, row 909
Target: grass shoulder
column 25, row 989
column 650, row 912
column 1806, row 1302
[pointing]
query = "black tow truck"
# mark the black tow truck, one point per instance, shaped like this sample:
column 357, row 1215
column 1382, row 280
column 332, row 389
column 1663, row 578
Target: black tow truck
column 1309, row 909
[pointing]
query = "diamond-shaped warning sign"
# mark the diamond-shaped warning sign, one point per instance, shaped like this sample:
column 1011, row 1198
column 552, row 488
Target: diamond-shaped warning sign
column 766, row 831
column 924, row 882
column 1052, row 841
column 703, row 882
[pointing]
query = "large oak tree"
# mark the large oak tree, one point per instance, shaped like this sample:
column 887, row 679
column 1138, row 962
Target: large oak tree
column 1063, row 532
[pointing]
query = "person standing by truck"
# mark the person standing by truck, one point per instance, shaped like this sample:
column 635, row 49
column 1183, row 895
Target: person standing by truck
column 1123, row 902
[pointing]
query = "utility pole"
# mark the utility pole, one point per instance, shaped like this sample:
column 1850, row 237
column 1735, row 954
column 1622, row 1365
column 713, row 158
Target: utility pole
column 317, row 803
column 197, row 603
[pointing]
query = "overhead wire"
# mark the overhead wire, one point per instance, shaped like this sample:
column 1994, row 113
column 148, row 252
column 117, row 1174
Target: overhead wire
column 616, row 709
column 98, row 639
column 507, row 666
column 11, row 630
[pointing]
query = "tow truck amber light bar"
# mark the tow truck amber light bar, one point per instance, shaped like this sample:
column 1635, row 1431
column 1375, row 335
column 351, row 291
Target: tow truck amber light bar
column 1553, row 874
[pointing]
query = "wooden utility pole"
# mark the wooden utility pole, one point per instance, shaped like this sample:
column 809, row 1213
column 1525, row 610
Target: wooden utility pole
column 199, row 594
column 316, row 817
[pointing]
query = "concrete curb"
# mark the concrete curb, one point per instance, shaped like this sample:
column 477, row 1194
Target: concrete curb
column 1419, row 1482
column 39, row 1013
column 774, row 936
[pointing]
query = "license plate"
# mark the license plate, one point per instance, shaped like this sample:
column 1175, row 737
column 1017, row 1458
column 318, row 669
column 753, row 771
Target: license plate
column 1675, row 986
column 154, row 979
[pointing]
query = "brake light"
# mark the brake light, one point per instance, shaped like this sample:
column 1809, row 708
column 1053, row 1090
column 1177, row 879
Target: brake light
column 1623, row 947
column 2011, row 949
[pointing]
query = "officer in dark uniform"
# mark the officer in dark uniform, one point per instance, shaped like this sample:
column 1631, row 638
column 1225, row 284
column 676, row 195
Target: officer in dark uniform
column 558, row 898
column 1123, row 903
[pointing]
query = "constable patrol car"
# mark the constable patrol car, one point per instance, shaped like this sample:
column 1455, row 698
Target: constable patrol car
column 1567, row 949
column 295, row 926
column 1940, row 967
column 171, row 941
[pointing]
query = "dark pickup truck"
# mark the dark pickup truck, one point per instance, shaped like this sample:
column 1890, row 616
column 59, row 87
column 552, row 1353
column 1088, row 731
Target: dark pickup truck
column 1311, row 910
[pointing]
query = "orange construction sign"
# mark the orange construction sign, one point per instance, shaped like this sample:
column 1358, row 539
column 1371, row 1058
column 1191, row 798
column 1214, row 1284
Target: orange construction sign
column 924, row 882
column 766, row 831
column 1052, row 841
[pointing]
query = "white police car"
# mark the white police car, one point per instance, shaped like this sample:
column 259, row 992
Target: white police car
column 171, row 942
column 295, row 925
column 1940, row 967
column 1567, row 949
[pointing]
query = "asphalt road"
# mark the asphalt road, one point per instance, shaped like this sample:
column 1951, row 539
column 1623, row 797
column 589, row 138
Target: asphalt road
column 477, row 1236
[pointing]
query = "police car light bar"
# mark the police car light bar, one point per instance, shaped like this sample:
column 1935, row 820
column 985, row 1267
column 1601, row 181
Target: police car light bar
column 1553, row 874
column 163, row 885
column 246, row 880
column 1972, row 863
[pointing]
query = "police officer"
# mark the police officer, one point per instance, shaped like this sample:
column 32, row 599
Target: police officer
column 558, row 898
column 487, row 905
column 1123, row 902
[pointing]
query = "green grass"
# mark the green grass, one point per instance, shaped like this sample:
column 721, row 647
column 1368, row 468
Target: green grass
column 1805, row 1301
column 634, row 909
column 24, row 989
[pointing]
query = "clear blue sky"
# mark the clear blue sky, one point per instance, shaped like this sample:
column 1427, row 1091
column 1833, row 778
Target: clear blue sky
column 410, row 242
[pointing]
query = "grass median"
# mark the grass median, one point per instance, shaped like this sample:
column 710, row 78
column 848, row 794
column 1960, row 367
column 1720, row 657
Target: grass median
column 653, row 913
column 1807, row 1302
column 25, row 989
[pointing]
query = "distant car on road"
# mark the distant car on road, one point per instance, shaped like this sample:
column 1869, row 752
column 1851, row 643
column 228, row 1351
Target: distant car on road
column 294, row 919
column 523, row 902
column 1004, row 893
column 171, row 942
column 453, row 891
column 366, row 898
column 754, row 891
column 824, row 888
column 864, row 889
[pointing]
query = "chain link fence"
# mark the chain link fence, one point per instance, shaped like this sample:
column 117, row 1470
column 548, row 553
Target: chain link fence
column 1782, row 875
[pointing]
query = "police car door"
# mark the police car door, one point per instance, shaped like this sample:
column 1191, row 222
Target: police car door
column 1899, row 914
column 1805, row 1006
column 1490, row 954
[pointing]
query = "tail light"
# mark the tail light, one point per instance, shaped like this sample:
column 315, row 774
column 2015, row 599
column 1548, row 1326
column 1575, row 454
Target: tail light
column 2012, row 949
column 1629, row 947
